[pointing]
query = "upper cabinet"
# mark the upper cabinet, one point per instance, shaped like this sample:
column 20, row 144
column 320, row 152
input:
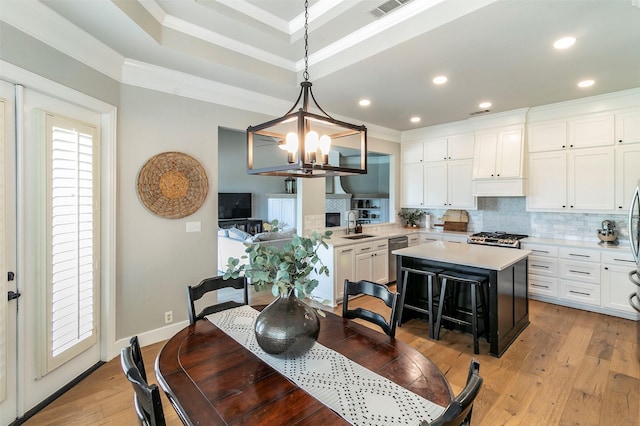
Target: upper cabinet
column 627, row 126
column 498, row 162
column 442, row 176
column 591, row 131
column 459, row 147
column 547, row 136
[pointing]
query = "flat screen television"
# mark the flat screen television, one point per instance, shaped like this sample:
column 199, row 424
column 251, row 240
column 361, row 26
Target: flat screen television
column 234, row 205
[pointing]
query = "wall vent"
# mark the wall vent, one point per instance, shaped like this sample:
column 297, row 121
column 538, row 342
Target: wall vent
column 484, row 111
column 387, row 7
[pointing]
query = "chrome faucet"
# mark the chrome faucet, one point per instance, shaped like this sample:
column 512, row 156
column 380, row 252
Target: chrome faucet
column 349, row 213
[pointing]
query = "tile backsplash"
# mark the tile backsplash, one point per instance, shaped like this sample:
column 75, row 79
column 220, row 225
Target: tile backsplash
column 509, row 214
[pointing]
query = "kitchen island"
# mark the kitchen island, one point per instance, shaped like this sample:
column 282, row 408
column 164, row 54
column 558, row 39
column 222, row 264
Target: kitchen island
column 506, row 269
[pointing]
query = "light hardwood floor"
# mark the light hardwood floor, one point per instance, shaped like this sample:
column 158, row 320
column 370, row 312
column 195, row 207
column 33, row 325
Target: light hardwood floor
column 568, row 367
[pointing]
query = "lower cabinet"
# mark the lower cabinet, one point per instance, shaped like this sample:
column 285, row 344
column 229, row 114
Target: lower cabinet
column 616, row 286
column 590, row 279
column 372, row 261
column 341, row 264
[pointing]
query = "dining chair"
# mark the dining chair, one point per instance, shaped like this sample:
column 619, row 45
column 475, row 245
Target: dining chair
column 458, row 412
column 136, row 354
column 146, row 397
column 213, row 284
column 379, row 291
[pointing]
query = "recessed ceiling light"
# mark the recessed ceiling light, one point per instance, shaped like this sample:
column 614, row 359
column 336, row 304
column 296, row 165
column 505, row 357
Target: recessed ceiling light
column 415, row 119
column 586, row 83
column 441, row 79
column 364, row 102
column 485, row 104
column 564, row 42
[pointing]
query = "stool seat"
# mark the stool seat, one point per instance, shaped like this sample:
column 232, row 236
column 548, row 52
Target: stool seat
column 430, row 274
column 477, row 282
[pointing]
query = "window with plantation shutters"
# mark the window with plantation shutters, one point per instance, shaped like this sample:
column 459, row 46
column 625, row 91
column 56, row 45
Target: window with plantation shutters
column 73, row 226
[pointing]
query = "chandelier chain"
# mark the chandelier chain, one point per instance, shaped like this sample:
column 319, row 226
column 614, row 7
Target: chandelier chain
column 306, row 41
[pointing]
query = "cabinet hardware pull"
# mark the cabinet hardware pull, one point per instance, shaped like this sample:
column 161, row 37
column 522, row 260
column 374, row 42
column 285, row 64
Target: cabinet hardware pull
column 623, row 260
column 539, row 266
column 580, row 272
column 539, row 251
column 346, row 251
column 579, row 292
column 538, row 285
column 579, row 255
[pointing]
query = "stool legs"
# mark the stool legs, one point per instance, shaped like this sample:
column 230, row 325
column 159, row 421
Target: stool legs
column 475, row 285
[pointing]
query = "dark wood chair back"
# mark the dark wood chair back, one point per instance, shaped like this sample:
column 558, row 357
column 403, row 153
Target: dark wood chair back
column 146, row 397
column 213, row 284
column 458, row 412
column 379, row 291
column 136, row 354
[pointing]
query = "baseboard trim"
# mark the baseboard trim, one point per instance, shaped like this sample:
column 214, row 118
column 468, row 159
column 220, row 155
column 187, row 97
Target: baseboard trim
column 32, row 412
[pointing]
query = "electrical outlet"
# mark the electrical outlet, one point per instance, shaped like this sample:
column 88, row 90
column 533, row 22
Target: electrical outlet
column 168, row 317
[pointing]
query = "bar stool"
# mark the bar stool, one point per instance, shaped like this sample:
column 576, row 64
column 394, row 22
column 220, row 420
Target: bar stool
column 476, row 282
column 430, row 274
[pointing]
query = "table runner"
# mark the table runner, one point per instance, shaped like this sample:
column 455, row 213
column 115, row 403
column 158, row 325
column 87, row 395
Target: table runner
column 356, row 393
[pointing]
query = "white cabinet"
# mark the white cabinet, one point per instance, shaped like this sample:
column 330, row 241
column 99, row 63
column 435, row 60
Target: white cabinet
column 628, row 126
column 590, row 179
column 412, row 152
column 498, row 162
column 499, row 154
column 579, row 272
column 429, row 238
column 442, row 176
column 341, row 264
column 372, row 261
column 448, row 184
column 543, row 270
column 616, row 286
column 458, row 147
column 627, row 174
column 283, row 209
column 576, row 180
column 413, row 239
column 412, row 185
column 591, row 130
column 547, row 136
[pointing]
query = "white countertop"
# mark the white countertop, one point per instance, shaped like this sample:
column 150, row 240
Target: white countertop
column 479, row 256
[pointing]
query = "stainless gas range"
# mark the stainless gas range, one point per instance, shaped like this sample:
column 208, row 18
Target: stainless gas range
column 500, row 239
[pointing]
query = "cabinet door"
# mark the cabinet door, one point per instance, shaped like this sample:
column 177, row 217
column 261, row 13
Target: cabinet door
column 435, row 150
column 380, row 266
column 435, row 184
column 547, row 136
column 484, row 159
column 628, row 126
column 590, row 131
column 363, row 267
column 627, row 175
column 459, row 178
column 344, row 269
column 547, row 181
column 509, row 155
column 591, row 179
column 460, row 147
column 616, row 286
column 412, row 152
column 412, row 185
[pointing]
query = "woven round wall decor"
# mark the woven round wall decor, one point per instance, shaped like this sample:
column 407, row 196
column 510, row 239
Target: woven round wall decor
column 172, row 185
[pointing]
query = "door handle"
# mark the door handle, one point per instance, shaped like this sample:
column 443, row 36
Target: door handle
column 13, row 294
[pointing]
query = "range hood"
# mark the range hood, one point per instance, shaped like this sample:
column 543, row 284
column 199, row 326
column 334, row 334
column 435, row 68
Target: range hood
column 499, row 187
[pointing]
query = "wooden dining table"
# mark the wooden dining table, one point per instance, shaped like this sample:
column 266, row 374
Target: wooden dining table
column 211, row 379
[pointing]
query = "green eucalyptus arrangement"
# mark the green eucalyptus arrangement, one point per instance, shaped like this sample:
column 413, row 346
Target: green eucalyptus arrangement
column 283, row 269
column 412, row 216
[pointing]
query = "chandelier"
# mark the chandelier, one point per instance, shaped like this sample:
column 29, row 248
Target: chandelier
column 298, row 143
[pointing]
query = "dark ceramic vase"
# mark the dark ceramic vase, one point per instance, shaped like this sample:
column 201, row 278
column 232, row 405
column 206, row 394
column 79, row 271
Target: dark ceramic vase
column 287, row 327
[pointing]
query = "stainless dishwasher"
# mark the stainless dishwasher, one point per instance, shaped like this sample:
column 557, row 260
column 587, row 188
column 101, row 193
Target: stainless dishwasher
column 394, row 244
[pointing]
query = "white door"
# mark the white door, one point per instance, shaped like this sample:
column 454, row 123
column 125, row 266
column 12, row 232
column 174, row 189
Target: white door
column 8, row 309
column 59, row 250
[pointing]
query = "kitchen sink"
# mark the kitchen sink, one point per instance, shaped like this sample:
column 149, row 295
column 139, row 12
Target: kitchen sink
column 358, row 236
